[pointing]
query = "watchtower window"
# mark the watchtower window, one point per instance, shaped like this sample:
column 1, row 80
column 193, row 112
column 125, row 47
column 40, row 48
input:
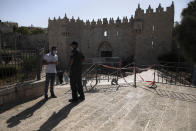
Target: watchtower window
column 106, row 33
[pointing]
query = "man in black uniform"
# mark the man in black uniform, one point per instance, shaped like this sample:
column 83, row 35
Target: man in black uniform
column 75, row 73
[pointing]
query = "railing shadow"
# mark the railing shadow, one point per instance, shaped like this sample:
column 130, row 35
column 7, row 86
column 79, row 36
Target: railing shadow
column 105, row 88
column 176, row 95
column 173, row 95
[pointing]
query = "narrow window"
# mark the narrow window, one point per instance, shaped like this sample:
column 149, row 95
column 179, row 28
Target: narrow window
column 105, row 33
column 88, row 44
column 153, row 28
column 117, row 33
column 152, row 44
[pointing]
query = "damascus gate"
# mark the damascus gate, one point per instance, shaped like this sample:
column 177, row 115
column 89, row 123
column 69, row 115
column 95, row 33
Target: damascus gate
column 144, row 36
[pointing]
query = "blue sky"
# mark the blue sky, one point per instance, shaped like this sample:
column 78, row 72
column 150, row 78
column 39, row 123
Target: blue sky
column 37, row 12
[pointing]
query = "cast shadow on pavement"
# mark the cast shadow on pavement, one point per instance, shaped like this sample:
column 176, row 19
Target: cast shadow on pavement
column 15, row 120
column 56, row 118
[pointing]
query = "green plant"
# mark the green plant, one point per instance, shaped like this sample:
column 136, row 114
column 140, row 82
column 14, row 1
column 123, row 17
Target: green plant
column 23, row 30
column 184, row 32
column 37, row 31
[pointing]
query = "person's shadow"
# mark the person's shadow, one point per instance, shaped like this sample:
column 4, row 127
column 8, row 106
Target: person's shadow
column 15, row 120
column 56, row 118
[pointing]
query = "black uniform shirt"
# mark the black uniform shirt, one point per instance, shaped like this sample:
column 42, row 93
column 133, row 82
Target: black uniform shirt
column 77, row 57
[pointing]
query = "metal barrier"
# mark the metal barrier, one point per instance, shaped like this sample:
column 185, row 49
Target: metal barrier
column 165, row 74
column 95, row 72
column 105, row 69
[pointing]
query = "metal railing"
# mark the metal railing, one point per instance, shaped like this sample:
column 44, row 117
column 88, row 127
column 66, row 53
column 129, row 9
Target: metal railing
column 17, row 66
column 176, row 75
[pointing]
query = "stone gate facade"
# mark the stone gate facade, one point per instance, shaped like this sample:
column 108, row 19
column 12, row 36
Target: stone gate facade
column 145, row 36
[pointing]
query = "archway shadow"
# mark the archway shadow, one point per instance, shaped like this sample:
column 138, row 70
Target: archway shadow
column 56, row 118
column 15, row 120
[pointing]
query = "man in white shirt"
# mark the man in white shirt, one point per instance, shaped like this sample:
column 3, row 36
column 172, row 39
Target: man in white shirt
column 50, row 60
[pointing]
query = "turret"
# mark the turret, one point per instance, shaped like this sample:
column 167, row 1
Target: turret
column 78, row 20
column 171, row 8
column 149, row 10
column 99, row 22
column 125, row 20
column 139, row 11
column 111, row 21
column 105, row 21
column 159, row 9
column 87, row 22
column 118, row 21
column 93, row 23
column 72, row 20
column 65, row 18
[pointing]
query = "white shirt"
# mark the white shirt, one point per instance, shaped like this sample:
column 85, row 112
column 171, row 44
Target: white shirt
column 50, row 68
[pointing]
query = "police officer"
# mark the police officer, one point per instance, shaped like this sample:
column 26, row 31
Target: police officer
column 75, row 73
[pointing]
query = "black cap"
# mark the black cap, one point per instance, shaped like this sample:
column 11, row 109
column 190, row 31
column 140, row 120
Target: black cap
column 74, row 43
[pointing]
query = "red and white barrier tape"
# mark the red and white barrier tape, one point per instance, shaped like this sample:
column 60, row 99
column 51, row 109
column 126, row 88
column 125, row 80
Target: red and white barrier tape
column 152, row 83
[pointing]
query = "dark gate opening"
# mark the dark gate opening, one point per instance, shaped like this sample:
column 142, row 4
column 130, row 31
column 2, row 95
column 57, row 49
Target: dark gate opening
column 106, row 53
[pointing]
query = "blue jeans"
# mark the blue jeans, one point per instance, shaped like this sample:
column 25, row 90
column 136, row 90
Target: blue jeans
column 50, row 77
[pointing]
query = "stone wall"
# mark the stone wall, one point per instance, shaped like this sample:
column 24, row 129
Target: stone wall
column 18, row 92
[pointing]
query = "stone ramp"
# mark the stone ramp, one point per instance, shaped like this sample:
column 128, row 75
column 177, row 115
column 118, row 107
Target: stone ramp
column 107, row 109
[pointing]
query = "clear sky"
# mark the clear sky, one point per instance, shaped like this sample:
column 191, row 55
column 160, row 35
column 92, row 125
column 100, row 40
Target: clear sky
column 37, row 12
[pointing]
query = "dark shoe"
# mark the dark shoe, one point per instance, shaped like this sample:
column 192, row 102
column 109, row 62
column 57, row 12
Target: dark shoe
column 46, row 97
column 82, row 98
column 73, row 100
column 53, row 96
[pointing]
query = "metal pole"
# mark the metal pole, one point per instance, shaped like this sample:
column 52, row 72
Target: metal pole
column 135, row 75
column 39, row 63
column 154, row 72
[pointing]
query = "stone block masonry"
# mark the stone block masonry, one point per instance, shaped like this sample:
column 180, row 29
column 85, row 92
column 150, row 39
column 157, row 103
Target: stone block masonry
column 20, row 92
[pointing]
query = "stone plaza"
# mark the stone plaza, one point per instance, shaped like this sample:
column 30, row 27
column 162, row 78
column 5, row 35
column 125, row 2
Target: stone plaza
column 169, row 108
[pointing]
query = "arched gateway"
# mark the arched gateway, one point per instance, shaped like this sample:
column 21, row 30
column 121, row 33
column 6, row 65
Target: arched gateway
column 105, row 49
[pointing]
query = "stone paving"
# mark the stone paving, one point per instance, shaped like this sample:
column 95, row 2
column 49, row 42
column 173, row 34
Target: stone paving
column 108, row 108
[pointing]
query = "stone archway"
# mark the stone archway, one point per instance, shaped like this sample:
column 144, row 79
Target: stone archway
column 105, row 49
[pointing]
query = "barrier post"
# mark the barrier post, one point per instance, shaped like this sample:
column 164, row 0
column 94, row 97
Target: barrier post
column 135, row 75
column 154, row 72
column 96, row 74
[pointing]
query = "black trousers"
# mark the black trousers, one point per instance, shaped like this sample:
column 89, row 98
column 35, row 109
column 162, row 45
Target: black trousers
column 76, row 85
column 60, row 76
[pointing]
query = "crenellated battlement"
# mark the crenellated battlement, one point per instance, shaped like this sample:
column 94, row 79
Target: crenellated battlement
column 99, row 22
column 111, row 21
column 159, row 10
